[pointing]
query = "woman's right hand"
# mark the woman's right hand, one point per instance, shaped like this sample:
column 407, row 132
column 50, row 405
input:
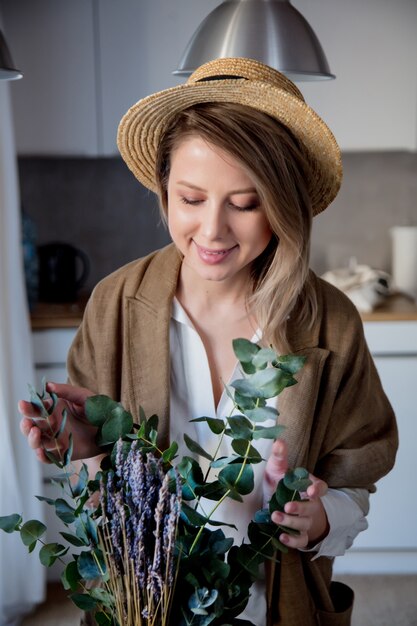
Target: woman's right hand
column 39, row 432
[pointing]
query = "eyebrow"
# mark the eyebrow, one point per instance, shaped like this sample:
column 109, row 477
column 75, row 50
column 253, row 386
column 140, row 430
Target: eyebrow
column 232, row 193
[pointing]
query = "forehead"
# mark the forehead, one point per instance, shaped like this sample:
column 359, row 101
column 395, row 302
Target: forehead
column 195, row 155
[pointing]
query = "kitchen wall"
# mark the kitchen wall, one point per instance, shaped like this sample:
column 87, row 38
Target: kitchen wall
column 98, row 205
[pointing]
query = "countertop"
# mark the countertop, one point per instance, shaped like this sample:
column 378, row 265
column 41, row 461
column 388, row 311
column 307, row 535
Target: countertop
column 69, row 315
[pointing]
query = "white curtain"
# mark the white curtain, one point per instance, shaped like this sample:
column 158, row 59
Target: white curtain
column 22, row 578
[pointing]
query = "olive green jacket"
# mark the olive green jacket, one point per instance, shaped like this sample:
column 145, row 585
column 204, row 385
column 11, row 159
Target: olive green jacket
column 339, row 423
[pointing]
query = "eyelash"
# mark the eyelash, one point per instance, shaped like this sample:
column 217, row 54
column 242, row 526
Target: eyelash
column 250, row 207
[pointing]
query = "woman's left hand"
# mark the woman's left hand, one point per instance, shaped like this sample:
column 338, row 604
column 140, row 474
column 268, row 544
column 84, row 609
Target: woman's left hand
column 308, row 516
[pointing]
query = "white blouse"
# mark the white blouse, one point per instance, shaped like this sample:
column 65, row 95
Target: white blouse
column 191, row 396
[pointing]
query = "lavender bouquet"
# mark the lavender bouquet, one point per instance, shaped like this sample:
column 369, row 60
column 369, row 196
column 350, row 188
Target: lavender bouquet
column 145, row 532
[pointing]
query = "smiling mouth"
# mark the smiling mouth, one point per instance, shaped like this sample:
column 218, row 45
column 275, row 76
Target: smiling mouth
column 215, row 252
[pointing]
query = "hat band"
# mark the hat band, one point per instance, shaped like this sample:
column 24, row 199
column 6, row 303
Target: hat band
column 220, row 77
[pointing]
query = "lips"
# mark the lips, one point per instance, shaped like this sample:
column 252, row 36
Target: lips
column 212, row 256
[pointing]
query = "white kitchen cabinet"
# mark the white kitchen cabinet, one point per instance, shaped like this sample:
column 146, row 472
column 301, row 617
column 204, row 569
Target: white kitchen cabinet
column 55, row 104
column 390, row 543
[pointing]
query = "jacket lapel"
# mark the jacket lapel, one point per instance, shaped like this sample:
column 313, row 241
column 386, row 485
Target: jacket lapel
column 147, row 329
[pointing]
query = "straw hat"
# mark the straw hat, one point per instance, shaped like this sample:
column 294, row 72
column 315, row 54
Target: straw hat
column 242, row 81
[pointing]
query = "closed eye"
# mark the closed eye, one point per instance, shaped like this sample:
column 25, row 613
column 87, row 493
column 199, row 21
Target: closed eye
column 248, row 207
column 189, row 201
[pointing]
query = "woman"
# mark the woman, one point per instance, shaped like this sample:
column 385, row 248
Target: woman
column 241, row 165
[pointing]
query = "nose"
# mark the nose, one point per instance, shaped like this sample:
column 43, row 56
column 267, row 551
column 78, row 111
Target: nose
column 214, row 221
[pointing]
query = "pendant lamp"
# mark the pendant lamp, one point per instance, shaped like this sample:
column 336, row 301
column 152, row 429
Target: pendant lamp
column 7, row 67
column 271, row 31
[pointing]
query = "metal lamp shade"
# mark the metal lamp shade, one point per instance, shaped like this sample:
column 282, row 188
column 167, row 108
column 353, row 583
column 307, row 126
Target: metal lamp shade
column 271, row 31
column 7, row 68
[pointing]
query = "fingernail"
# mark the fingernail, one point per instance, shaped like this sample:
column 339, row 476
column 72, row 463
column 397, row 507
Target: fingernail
column 277, row 517
column 284, row 538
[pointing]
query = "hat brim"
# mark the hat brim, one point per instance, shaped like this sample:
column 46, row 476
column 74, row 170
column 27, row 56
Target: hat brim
column 144, row 123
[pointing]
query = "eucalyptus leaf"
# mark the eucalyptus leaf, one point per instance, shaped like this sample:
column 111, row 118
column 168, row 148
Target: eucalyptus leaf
column 10, row 523
column 195, row 447
column 169, row 453
column 297, row 479
column 68, row 453
column 262, row 413
column 291, row 363
column 241, row 427
column 263, row 357
column 50, row 552
column 73, row 539
column 238, row 476
column 64, row 511
column 70, row 576
column 117, row 425
column 268, row 432
column 216, row 425
column 31, row 531
column 62, row 425
column 245, row 350
column 241, row 447
column 84, row 601
column 98, row 409
column 89, row 566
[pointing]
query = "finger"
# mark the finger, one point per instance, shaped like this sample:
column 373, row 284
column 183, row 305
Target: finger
column 295, row 541
column 27, row 409
column 302, row 524
column 317, row 489
column 277, row 463
column 77, row 395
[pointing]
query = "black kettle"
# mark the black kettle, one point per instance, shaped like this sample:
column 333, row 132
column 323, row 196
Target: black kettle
column 63, row 270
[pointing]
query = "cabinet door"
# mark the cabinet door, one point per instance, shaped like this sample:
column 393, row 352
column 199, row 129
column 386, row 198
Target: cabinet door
column 393, row 514
column 54, row 105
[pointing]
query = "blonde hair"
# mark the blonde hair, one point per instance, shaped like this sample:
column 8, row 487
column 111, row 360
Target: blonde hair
column 278, row 165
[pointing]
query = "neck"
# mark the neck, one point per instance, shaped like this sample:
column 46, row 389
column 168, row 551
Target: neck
column 196, row 294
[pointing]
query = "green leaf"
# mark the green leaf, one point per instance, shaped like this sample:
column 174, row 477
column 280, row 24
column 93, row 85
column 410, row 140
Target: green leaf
column 271, row 381
column 70, row 576
column 90, row 566
column 64, row 511
column 263, row 357
column 195, row 447
column 117, row 425
column 222, row 461
column 50, row 501
column 201, row 599
column 281, row 496
column 245, row 350
column 84, row 601
column 246, row 403
column 49, row 553
column 10, row 523
column 241, row 427
column 245, row 388
column 216, row 425
column 104, row 597
column 62, row 425
column 291, row 363
column 68, row 453
column 269, row 432
column 37, row 401
column 194, row 518
column 103, row 619
column 73, row 539
column 262, row 414
column 98, row 409
column 170, row 452
column 53, row 458
column 297, row 479
column 31, row 531
column 191, row 472
column 238, row 476
column 212, row 491
column 82, row 481
column 240, row 446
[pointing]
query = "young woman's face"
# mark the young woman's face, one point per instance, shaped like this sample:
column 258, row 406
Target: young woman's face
column 214, row 212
